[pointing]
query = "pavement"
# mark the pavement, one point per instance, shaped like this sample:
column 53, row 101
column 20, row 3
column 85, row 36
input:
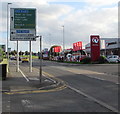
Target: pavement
column 25, row 81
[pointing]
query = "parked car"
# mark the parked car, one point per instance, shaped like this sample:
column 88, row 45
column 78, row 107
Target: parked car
column 113, row 58
column 24, row 59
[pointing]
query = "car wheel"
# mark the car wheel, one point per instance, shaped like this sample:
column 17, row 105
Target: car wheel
column 117, row 61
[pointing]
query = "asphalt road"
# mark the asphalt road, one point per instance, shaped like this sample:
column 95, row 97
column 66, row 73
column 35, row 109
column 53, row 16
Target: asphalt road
column 89, row 88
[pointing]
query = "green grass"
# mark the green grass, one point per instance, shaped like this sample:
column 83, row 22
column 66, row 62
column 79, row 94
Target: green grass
column 5, row 61
column 33, row 57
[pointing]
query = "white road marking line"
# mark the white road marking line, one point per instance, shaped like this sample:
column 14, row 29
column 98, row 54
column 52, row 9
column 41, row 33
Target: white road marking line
column 36, row 78
column 95, row 77
column 24, row 75
column 87, row 73
column 26, row 103
column 94, row 99
column 8, row 106
column 33, row 79
column 49, row 78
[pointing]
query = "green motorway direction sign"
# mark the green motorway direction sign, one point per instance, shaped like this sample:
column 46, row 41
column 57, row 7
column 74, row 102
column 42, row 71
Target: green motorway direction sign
column 22, row 24
column 24, row 18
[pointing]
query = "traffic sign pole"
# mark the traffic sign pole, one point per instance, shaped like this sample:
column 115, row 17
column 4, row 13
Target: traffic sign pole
column 40, row 72
column 17, row 69
column 23, row 28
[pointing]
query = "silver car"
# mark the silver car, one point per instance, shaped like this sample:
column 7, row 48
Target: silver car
column 113, row 58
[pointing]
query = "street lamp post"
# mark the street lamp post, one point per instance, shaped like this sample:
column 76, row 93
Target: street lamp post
column 8, row 28
column 50, row 45
column 63, row 43
column 63, row 38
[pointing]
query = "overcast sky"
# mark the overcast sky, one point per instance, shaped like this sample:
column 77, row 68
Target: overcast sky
column 80, row 18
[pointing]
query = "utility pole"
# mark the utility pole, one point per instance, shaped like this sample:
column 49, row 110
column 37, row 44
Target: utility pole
column 63, row 38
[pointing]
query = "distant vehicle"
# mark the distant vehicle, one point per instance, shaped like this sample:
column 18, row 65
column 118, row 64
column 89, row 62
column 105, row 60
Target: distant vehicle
column 113, row 58
column 77, row 57
column 14, row 58
column 45, row 55
column 25, row 59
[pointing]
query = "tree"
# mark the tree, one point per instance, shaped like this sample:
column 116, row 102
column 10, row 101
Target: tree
column 21, row 53
column 26, row 53
column 13, row 52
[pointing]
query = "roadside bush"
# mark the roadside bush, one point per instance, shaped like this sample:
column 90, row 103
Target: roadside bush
column 1, row 55
column 86, row 60
column 102, row 60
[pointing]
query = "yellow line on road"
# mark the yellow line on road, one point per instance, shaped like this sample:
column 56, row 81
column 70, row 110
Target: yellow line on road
column 40, row 91
column 50, row 75
column 37, row 91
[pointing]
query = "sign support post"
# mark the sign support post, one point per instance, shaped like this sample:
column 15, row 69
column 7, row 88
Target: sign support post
column 40, row 73
column 23, row 28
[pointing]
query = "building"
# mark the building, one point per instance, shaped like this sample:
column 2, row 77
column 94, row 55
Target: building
column 108, row 46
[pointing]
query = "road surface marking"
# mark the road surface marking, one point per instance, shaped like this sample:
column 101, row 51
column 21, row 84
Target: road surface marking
column 90, row 97
column 49, row 78
column 8, row 106
column 63, row 87
column 24, row 75
column 37, row 91
column 26, row 103
column 91, row 74
column 33, row 79
column 94, row 99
